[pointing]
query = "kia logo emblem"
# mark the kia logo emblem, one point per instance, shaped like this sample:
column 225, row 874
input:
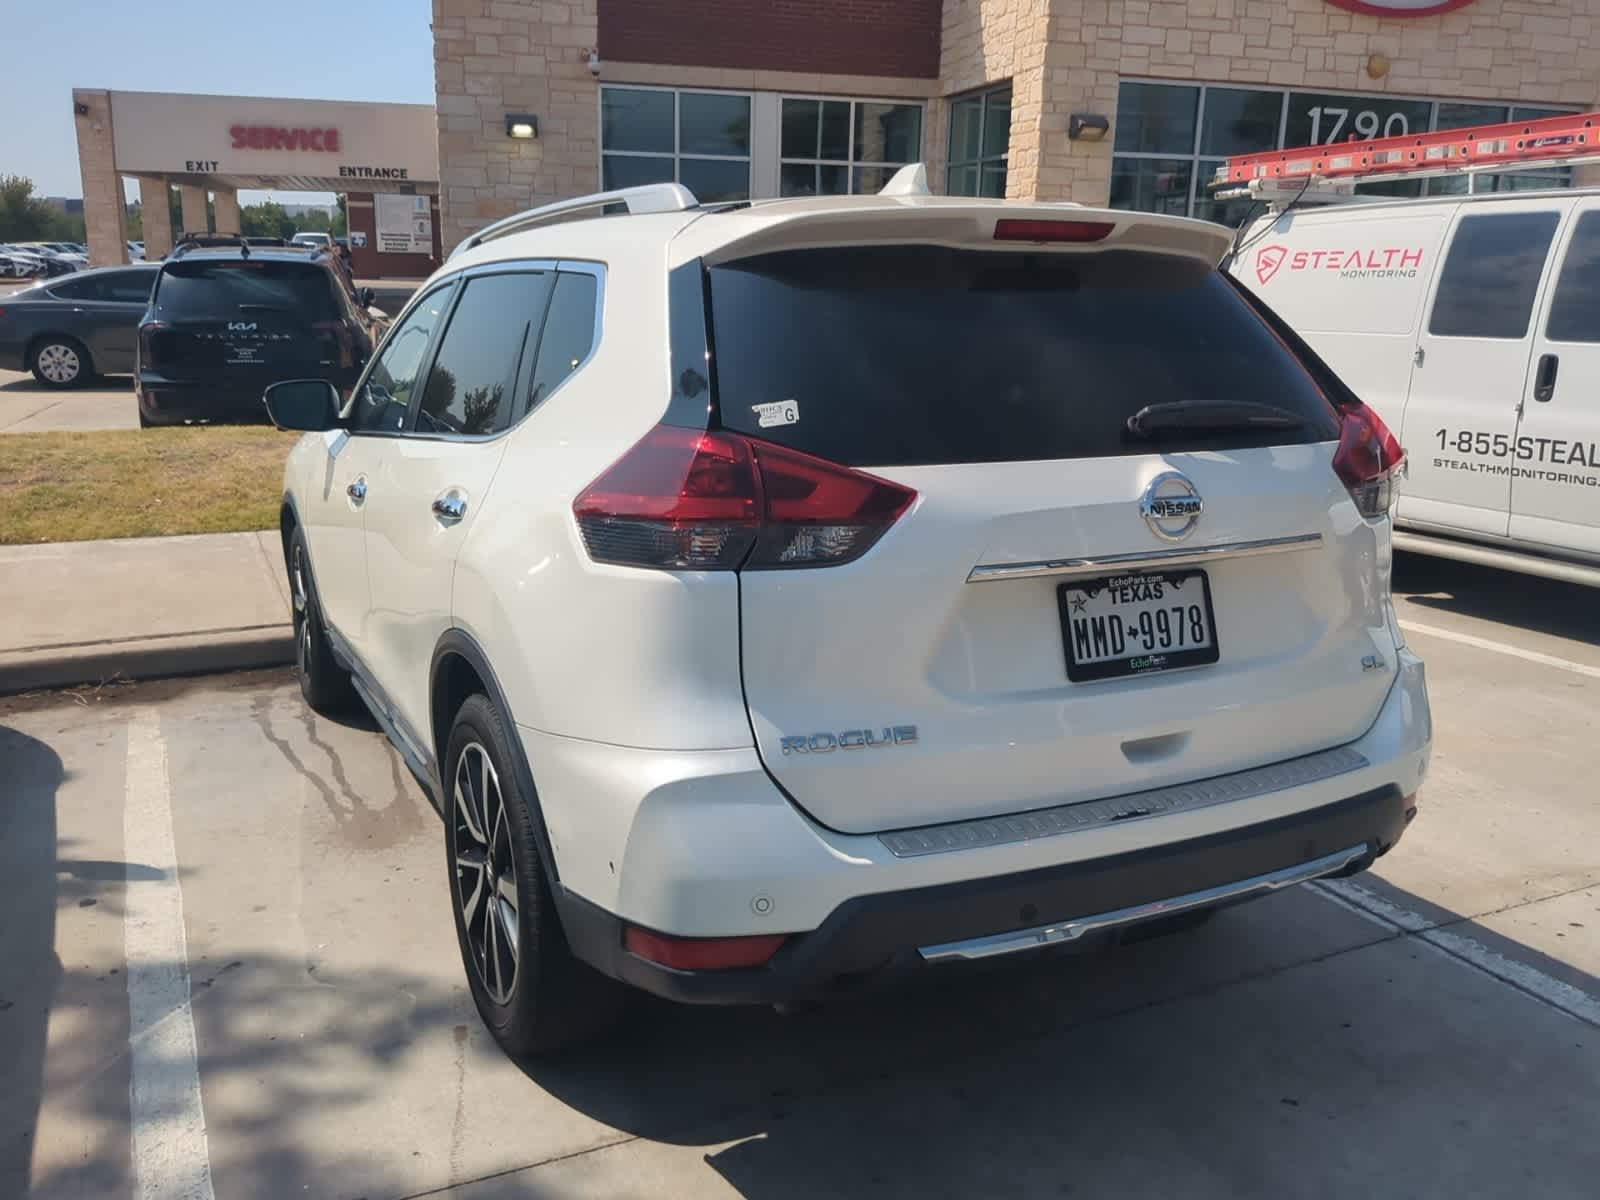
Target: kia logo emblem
column 1268, row 260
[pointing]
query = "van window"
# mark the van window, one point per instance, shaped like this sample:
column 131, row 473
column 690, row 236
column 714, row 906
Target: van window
column 1575, row 311
column 904, row 355
column 1491, row 275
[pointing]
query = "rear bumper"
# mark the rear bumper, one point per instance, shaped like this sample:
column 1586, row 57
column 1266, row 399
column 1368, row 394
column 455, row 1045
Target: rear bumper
column 165, row 401
column 703, row 845
column 1080, row 902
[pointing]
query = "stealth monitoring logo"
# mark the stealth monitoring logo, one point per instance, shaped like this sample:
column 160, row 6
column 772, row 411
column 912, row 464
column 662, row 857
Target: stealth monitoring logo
column 1268, row 260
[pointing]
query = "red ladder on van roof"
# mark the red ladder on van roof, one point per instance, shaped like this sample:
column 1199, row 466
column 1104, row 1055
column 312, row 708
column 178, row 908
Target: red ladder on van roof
column 1549, row 142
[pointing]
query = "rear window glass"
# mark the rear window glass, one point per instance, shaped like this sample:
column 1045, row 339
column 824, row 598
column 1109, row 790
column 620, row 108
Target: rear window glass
column 211, row 289
column 904, row 355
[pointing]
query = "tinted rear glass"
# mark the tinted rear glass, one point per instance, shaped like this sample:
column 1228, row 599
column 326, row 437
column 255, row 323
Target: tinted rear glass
column 903, row 355
column 200, row 290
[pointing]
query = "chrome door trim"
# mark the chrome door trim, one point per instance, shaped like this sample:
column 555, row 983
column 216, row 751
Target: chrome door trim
column 1189, row 556
column 1072, row 930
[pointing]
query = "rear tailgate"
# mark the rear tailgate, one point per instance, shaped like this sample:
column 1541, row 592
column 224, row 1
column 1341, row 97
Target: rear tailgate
column 1016, row 639
column 246, row 317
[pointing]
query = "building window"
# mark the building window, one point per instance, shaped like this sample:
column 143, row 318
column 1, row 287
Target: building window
column 980, row 135
column 833, row 147
column 1171, row 138
column 661, row 135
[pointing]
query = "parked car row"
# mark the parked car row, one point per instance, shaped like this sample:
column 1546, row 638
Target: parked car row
column 40, row 260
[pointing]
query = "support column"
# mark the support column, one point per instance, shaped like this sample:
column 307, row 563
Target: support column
column 193, row 198
column 102, row 185
column 156, row 211
column 227, row 209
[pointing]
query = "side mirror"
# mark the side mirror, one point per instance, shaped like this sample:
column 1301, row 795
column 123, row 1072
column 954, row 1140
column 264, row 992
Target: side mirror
column 311, row 405
column 365, row 296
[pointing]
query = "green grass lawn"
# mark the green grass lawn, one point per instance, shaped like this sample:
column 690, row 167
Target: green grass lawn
column 69, row 487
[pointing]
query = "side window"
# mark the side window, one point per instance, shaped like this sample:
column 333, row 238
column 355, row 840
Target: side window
column 77, row 289
column 127, row 287
column 1575, row 310
column 382, row 404
column 1491, row 276
column 568, row 335
column 474, row 375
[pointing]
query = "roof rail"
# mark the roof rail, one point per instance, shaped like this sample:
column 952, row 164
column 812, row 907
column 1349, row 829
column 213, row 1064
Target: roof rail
column 650, row 198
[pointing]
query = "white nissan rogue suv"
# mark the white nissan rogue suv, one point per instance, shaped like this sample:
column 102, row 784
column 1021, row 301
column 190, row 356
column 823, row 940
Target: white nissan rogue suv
column 772, row 595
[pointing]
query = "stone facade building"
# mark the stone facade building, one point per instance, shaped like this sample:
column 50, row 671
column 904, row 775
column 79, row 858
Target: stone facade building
column 740, row 98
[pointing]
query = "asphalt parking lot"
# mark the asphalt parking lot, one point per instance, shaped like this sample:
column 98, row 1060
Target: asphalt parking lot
column 1429, row 1029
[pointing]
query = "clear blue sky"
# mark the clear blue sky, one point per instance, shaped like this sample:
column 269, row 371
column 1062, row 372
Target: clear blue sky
column 340, row 50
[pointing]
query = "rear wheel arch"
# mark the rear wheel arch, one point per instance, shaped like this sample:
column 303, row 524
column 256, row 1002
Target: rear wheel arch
column 461, row 669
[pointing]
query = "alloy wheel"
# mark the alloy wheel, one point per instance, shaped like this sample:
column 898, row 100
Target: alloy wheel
column 302, row 610
column 58, row 363
column 486, row 874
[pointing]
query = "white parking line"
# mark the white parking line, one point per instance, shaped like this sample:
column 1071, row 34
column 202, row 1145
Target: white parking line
column 1467, row 639
column 1571, row 1000
column 169, row 1127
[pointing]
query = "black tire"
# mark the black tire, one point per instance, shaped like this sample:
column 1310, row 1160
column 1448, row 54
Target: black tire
column 532, row 992
column 61, row 362
column 323, row 682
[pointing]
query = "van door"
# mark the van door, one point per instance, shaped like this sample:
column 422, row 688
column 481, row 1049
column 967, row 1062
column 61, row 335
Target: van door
column 1555, row 489
column 1471, row 364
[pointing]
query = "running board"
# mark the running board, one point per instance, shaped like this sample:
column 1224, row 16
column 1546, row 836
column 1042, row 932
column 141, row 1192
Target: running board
column 1071, row 931
column 1492, row 556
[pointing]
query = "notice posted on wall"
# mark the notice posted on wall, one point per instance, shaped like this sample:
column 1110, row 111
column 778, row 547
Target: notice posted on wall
column 405, row 224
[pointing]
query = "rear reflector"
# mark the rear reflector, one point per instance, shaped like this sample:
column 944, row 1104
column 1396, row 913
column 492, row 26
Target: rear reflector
column 687, row 500
column 702, row 954
column 1011, row 229
column 1369, row 459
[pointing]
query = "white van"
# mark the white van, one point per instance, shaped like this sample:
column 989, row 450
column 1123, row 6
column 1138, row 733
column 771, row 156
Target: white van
column 1472, row 325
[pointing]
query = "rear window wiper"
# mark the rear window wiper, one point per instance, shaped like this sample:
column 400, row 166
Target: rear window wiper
column 263, row 308
column 1220, row 416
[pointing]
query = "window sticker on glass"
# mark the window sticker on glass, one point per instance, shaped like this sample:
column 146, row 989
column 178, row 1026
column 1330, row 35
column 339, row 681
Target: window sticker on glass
column 779, row 412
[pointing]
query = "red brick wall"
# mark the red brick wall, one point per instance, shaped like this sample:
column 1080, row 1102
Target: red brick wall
column 843, row 37
column 367, row 263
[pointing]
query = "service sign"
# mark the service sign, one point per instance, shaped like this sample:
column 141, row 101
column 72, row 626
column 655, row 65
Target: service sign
column 1400, row 8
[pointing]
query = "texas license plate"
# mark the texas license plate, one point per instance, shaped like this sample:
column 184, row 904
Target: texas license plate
column 1134, row 624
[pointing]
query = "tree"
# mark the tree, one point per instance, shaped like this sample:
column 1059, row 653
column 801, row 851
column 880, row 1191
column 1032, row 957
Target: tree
column 266, row 219
column 341, row 219
column 23, row 217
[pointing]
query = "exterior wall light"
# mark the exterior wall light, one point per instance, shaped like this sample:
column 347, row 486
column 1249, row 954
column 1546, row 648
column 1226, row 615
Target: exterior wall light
column 522, row 126
column 1088, row 127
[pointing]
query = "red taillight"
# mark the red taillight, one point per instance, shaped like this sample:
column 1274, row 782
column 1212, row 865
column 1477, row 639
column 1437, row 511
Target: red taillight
column 703, row 954
column 147, row 340
column 1012, row 229
column 685, row 499
column 1368, row 460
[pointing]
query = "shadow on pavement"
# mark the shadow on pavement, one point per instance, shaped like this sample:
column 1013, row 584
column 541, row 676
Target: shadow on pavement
column 1145, row 1070
column 30, row 972
column 1505, row 597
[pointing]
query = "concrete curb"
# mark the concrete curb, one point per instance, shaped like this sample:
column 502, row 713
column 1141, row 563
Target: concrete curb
column 146, row 658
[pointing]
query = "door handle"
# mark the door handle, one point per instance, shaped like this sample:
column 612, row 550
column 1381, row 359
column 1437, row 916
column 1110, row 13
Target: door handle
column 1544, row 380
column 1419, row 357
column 450, row 507
column 357, row 491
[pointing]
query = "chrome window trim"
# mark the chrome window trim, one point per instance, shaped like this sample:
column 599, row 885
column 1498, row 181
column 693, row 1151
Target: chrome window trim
column 462, row 276
column 1143, row 560
column 1073, row 929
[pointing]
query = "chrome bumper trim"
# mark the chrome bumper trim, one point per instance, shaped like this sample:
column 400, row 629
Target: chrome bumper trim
column 1086, row 814
column 1147, row 560
column 1068, row 931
